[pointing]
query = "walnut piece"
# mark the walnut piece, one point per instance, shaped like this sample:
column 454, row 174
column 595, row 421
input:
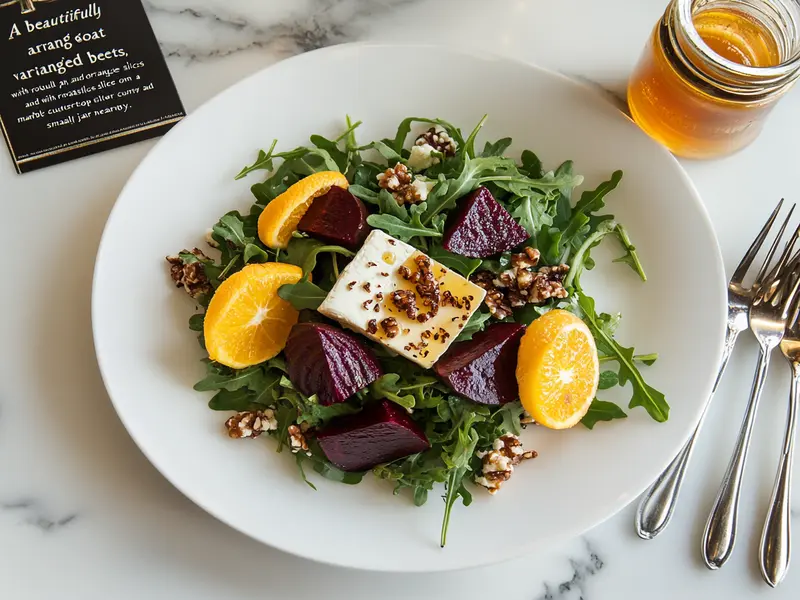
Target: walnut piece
column 390, row 327
column 191, row 276
column 438, row 139
column 526, row 259
column 251, row 424
column 426, row 285
column 495, row 298
column 498, row 463
column 406, row 301
column 297, row 439
column 521, row 284
column 405, row 188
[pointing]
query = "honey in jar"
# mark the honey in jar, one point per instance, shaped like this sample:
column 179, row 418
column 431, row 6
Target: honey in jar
column 711, row 72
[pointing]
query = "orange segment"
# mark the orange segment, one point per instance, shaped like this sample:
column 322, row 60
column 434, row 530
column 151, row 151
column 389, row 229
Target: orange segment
column 557, row 370
column 247, row 322
column 281, row 216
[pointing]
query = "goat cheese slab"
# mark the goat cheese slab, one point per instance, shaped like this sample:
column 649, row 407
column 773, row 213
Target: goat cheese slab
column 398, row 296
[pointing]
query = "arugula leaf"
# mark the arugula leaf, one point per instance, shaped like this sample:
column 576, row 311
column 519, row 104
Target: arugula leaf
column 302, row 294
column 531, row 165
column 475, row 324
column 469, row 145
column 230, row 228
column 218, row 380
column 602, row 411
column 593, row 200
column 496, row 149
column 328, row 471
column 316, row 415
column 531, row 212
column 392, row 157
column 402, row 230
column 608, row 379
column 363, row 193
column 630, row 257
column 387, row 386
column 323, row 467
column 387, row 205
column 299, row 459
column 304, row 252
column 252, row 251
column 197, row 321
column 405, row 128
column 520, row 185
column 263, row 162
column 579, row 258
column 461, row 264
column 461, row 452
column 238, row 401
column 331, row 147
column 644, row 395
column 509, row 416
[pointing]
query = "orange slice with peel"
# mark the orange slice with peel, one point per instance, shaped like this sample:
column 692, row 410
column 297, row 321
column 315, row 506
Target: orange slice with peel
column 557, row 369
column 280, row 217
column 247, row 322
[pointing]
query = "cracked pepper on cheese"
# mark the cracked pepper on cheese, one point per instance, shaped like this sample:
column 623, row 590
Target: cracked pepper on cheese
column 403, row 299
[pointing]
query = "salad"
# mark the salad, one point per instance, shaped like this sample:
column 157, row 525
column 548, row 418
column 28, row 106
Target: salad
column 407, row 306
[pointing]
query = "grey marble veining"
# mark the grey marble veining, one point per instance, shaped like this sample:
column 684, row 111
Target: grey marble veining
column 31, row 512
column 320, row 23
column 584, row 567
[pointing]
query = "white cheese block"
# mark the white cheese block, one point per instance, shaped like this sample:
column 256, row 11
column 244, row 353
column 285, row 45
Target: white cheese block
column 362, row 300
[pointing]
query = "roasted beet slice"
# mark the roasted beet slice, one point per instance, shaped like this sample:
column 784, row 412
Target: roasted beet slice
column 481, row 227
column 337, row 217
column 381, row 433
column 328, row 362
column 483, row 368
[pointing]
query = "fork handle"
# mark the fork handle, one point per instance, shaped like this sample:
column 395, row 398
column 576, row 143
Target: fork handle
column 720, row 532
column 658, row 503
column 775, row 549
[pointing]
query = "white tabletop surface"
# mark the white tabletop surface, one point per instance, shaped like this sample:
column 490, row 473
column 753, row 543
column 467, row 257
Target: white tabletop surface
column 83, row 515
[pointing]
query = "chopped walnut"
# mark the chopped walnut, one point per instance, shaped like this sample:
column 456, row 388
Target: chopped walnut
column 406, row 301
column 438, row 138
column 297, row 439
column 405, row 188
column 499, row 462
column 495, row 298
column 521, row 284
column 372, row 326
column 251, row 424
column 426, row 285
column 547, row 283
column 390, row 327
column 191, row 276
column 526, row 259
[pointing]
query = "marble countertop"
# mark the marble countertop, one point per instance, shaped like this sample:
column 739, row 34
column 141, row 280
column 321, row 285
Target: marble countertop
column 83, row 515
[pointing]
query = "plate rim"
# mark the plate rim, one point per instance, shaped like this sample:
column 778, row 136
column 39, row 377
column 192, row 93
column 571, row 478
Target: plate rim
column 454, row 50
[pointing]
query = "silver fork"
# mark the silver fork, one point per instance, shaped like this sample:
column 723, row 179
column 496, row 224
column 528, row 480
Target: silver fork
column 658, row 503
column 768, row 314
column 775, row 550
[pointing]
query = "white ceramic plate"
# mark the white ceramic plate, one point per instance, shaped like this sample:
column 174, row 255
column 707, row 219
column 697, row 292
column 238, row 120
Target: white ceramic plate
column 149, row 359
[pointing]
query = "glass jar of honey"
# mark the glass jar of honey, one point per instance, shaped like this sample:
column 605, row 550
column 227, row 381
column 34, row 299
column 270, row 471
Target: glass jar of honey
column 712, row 71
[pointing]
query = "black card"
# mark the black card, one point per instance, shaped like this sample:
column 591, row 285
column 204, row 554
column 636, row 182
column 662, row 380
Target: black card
column 79, row 77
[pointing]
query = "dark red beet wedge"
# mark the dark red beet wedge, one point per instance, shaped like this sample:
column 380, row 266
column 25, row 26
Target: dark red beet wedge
column 328, row 362
column 481, row 227
column 483, row 369
column 337, row 217
column 381, row 433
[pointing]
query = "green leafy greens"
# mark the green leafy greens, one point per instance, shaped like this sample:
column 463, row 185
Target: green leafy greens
column 539, row 199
